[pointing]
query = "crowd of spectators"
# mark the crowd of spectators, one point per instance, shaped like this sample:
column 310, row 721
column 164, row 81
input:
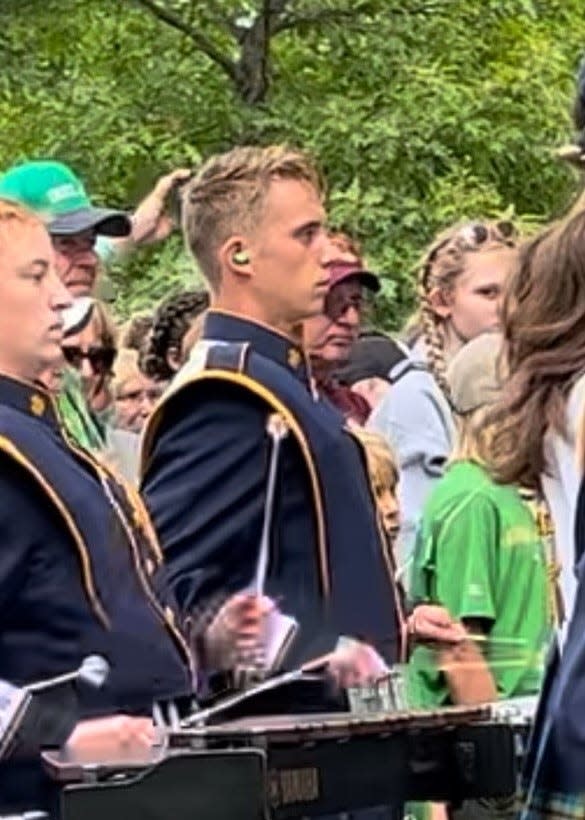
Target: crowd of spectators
column 472, row 418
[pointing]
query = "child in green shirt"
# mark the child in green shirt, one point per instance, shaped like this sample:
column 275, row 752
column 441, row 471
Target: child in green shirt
column 481, row 554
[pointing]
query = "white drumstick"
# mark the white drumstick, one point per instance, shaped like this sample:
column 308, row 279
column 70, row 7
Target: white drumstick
column 277, row 429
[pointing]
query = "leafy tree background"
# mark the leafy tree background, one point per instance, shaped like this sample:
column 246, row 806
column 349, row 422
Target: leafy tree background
column 421, row 112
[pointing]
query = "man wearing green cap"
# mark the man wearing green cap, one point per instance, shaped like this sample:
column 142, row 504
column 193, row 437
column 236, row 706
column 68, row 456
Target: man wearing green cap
column 51, row 190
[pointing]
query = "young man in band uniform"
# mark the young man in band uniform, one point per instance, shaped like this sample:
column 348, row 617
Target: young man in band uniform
column 255, row 223
column 77, row 549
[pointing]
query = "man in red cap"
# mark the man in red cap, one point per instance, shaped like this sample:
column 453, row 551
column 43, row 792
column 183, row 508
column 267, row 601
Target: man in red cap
column 330, row 337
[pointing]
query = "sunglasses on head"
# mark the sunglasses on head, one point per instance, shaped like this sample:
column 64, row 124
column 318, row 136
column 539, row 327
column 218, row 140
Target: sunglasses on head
column 476, row 233
column 471, row 237
column 101, row 359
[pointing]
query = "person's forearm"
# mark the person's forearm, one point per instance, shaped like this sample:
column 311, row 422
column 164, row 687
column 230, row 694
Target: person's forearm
column 144, row 223
column 145, row 217
column 468, row 676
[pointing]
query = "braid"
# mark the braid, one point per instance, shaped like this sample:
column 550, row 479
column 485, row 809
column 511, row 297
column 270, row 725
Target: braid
column 172, row 320
column 433, row 339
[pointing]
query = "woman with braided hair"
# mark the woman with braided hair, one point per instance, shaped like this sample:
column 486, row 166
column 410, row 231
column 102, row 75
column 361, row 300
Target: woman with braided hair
column 162, row 354
column 459, row 290
column 460, row 286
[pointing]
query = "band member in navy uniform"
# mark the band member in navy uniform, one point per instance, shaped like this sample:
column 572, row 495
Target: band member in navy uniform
column 255, row 223
column 77, row 548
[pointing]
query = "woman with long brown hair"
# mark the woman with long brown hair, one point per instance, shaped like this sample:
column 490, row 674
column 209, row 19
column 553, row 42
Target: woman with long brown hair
column 535, row 444
column 543, row 319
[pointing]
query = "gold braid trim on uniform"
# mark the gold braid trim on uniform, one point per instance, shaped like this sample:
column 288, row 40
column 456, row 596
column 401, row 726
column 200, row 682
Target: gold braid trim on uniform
column 166, row 614
column 274, row 402
column 107, row 472
column 141, row 520
column 88, row 582
column 546, row 532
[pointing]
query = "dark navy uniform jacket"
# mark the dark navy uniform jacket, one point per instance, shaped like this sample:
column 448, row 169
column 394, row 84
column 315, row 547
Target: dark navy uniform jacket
column 205, row 459
column 76, row 556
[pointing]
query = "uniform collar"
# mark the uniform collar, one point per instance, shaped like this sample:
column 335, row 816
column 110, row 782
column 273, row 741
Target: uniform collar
column 231, row 327
column 29, row 398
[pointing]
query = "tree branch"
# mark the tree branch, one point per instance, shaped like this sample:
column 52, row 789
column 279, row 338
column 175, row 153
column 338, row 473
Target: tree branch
column 199, row 40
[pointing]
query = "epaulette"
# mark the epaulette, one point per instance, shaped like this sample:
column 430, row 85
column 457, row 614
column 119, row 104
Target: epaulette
column 212, row 355
column 228, row 356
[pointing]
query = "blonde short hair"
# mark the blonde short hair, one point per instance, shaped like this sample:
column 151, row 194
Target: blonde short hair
column 227, row 197
column 475, row 437
column 382, row 462
column 11, row 213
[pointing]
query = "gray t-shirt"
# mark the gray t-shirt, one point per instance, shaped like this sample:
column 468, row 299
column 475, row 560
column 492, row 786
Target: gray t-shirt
column 416, row 420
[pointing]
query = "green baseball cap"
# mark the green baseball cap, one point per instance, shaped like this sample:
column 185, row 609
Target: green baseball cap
column 55, row 193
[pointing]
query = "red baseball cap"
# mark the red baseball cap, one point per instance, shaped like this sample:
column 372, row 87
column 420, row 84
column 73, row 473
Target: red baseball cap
column 340, row 271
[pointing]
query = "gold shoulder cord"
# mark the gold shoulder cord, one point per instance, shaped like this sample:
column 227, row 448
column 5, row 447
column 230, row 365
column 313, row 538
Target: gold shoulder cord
column 166, row 614
column 544, row 526
column 106, row 471
column 142, row 565
column 258, row 389
column 81, row 548
column 553, row 567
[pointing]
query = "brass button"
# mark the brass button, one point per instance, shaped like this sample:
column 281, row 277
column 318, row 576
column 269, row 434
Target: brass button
column 37, row 404
column 294, row 357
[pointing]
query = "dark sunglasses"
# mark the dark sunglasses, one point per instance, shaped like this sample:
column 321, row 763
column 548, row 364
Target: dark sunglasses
column 337, row 304
column 101, row 359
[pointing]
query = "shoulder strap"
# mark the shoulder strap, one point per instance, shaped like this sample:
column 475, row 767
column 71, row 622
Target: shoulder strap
column 403, row 367
column 230, row 356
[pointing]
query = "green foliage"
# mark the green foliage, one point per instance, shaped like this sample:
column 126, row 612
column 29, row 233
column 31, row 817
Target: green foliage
column 421, row 113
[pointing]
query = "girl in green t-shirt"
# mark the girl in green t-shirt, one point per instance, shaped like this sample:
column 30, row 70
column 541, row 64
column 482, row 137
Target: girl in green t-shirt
column 482, row 552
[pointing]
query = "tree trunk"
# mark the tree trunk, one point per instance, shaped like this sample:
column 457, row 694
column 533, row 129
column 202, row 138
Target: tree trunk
column 252, row 75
